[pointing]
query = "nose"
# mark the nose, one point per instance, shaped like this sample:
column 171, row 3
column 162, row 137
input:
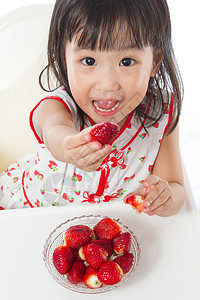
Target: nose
column 107, row 80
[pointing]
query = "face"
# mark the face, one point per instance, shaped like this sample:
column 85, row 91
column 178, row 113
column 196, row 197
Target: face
column 108, row 85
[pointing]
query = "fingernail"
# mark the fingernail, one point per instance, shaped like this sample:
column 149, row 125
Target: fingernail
column 87, row 137
column 145, row 184
column 97, row 146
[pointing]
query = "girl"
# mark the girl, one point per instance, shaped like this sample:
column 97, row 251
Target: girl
column 113, row 61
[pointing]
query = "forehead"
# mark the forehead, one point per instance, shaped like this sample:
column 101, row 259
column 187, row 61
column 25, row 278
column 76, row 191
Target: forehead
column 72, row 49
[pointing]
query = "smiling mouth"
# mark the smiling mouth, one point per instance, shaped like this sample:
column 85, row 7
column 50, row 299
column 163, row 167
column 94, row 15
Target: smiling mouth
column 106, row 106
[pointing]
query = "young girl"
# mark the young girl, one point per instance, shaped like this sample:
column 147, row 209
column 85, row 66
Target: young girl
column 113, row 61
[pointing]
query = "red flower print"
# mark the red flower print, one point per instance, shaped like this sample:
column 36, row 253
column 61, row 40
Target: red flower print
column 122, row 167
column 78, row 192
column 57, row 191
column 129, row 125
column 42, row 192
column 15, row 179
column 1, row 208
column 53, row 166
column 128, row 179
column 108, row 198
column 76, row 177
column 142, row 158
column 121, row 192
column 38, row 175
column 90, row 198
column 129, row 150
column 150, row 168
column 156, row 125
column 37, row 203
column 142, row 136
column 65, row 196
column 118, row 160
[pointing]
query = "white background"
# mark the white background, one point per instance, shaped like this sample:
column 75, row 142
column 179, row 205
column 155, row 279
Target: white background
column 185, row 17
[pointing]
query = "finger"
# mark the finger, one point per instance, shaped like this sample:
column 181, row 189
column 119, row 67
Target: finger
column 161, row 199
column 71, row 142
column 161, row 210
column 94, row 160
column 84, row 150
column 150, row 180
column 153, row 193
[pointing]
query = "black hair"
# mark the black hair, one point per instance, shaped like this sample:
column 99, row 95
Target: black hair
column 94, row 24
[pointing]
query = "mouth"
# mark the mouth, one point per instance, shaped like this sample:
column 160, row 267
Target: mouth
column 106, row 107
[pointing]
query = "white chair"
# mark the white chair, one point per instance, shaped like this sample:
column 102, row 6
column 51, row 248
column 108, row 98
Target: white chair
column 23, row 40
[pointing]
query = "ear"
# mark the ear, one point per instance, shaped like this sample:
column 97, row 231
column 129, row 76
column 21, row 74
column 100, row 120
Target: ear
column 158, row 57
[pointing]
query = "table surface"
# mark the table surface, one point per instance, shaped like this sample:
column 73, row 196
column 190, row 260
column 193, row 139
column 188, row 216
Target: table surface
column 169, row 267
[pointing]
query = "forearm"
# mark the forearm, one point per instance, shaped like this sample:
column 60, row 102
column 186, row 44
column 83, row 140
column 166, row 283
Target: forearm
column 54, row 139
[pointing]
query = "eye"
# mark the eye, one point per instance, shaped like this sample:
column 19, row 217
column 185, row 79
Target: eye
column 127, row 62
column 89, row 61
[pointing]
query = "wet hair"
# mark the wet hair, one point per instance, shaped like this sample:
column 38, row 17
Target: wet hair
column 109, row 24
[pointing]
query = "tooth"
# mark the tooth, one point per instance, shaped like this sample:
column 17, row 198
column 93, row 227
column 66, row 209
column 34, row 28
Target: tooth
column 106, row 110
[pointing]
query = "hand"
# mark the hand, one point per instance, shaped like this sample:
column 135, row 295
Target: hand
column 158, row 196
column 83, row 153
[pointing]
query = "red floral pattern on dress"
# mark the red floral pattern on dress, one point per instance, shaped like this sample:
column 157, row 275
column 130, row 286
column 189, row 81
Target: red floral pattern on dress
column 128, row 179
column 53, row 166
column 150, row 168
column 68, row 198
column 91, row 198
column 38, row 175
column 77, row 177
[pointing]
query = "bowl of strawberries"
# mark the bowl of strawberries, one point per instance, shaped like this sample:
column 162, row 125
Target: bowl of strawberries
column 91, row 254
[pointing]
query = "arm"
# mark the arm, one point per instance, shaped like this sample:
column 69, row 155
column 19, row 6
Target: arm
column 164, row 188
column 64, row 142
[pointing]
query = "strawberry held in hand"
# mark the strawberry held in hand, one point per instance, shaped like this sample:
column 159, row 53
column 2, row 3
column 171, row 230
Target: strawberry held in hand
column 62, row 259
column 104, row 132
column 77, row 236
column 136, row 201
column 107, row 228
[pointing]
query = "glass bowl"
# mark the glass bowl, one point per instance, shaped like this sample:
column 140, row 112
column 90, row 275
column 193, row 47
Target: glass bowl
column 56, row 238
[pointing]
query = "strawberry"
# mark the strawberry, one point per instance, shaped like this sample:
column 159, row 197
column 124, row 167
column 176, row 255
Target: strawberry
column 77, row 272
column 136, row 201
column 104, row 132
column 122, row 243
column 125, row 261
column 91, row 280
column 95, row 255
column 107, row 228
column 75, row 254
column 110, row 273
column 106, row 244
column 62, row 259
column 78, row 235
column 81, row 252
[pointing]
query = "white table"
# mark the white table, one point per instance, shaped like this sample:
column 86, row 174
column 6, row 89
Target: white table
column 169, row 267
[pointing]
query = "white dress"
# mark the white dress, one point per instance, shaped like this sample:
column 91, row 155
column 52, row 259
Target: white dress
column 40, row 180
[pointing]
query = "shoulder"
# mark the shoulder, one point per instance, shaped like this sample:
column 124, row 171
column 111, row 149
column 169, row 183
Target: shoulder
column 62, row 96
